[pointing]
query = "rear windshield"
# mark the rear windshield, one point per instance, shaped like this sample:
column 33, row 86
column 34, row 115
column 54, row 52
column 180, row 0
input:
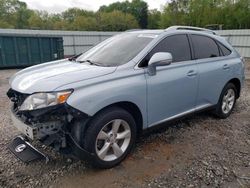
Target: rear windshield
column 117, row 50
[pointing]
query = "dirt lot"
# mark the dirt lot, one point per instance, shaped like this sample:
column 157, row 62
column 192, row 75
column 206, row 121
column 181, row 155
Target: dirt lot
column 200, row 151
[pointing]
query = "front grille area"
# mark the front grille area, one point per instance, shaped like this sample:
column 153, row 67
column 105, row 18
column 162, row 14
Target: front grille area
column 16, row 97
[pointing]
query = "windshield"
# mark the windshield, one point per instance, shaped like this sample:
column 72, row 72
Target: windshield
column 117, row 50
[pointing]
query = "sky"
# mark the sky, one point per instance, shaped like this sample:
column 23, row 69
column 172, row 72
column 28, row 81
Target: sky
column 57, row 6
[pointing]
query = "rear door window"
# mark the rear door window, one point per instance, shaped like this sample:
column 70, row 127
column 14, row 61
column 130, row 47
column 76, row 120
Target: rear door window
column 204, row 47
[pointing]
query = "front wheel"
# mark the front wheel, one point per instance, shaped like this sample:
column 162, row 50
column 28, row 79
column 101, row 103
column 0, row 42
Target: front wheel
column 110, row 137
column 227, row 101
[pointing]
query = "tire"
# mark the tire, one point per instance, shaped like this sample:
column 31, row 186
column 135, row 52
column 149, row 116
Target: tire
column 223, row 111
column 111, row 128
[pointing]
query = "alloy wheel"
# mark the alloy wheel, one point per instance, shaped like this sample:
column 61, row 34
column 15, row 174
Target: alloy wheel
column 113, row 140
column 228, row 101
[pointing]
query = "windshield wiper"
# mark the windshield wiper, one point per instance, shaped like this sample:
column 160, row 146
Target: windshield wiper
column 73, row 58
column 90, row 62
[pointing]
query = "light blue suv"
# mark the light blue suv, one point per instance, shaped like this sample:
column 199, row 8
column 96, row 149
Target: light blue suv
column 94, row 105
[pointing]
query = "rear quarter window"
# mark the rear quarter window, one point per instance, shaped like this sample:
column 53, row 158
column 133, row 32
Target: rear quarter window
column 225, row 51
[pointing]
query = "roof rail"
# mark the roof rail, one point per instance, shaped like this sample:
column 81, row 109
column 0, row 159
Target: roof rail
column 129, row 30
column 190, row 28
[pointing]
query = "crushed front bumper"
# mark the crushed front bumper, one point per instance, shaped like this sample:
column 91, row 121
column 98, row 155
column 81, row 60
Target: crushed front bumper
column 27, row 130
column 52, row 126
column 70, row 145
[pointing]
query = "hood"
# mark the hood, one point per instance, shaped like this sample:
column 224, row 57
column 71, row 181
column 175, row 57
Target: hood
column 49, row 76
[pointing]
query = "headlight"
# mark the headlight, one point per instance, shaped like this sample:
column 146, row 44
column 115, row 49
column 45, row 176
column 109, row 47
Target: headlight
column 42, row 100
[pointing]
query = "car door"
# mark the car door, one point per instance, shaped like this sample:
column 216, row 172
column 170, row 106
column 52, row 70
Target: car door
column 172, row 91
column 213, row 67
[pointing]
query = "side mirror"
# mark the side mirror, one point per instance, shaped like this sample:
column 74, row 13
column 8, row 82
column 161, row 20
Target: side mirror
column 159, row 59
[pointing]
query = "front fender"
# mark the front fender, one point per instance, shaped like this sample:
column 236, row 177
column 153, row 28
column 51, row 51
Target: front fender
column 95, row 97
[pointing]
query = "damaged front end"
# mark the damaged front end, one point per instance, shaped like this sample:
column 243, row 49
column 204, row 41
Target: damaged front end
column 52, row 125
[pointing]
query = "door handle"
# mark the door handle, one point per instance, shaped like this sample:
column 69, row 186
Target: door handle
column 191, row 73
column 226, row 67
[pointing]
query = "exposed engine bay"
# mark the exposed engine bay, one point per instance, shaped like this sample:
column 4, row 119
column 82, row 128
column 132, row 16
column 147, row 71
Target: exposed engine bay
column 49, row 125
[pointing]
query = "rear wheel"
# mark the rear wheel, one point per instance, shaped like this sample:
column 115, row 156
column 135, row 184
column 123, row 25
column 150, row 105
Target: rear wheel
column 227, row 101
column 110, row 136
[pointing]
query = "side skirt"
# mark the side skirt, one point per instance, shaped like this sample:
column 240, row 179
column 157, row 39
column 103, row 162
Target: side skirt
column 167, row 122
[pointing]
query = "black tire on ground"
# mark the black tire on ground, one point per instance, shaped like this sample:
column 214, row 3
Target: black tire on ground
column 95, row 126
column 218, row 111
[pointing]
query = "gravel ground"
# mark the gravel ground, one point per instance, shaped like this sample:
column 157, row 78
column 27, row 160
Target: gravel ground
column 200, row 151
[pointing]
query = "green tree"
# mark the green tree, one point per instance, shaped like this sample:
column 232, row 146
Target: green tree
column 35, row 21
column 22, row 16
column 232, row 14
column 4, row 24
column 116, row 21
column 174, row 13
column 119, row 16
column 154, row 17
column 241, row 14
column 83, row 23
column 14, row 13
column 137, row 8
column 70, row 14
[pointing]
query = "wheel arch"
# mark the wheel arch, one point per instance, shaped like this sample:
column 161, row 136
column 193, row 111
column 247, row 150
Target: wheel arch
column 237, row 84
column 130, row 107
